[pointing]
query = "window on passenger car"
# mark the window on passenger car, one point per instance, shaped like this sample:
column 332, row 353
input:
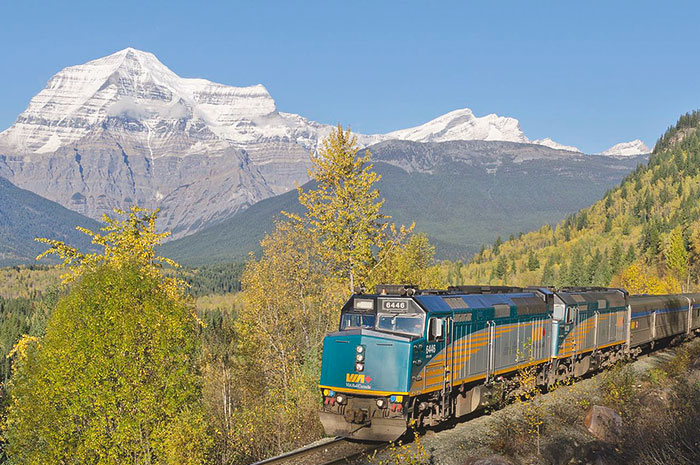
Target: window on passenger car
column 501, row 311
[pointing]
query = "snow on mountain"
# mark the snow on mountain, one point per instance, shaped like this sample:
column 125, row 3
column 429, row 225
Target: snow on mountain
column 547, row 142
column 135, row 85
column 132, row 84
column 463, row 125
column 627, row 149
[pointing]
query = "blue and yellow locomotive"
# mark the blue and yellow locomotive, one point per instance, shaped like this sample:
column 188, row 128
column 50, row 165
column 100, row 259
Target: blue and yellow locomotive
column 406, row 355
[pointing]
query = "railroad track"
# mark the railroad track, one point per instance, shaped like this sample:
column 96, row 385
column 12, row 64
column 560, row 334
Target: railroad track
column 336, row 451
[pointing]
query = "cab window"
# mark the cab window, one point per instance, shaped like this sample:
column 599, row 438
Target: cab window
column 409, row 323
column 357, row 320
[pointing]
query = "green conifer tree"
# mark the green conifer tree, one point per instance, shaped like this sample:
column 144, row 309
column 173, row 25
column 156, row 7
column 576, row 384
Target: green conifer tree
column 532, row 262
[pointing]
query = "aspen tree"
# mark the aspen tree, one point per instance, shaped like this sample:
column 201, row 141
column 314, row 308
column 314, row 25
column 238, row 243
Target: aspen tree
column 344, row 208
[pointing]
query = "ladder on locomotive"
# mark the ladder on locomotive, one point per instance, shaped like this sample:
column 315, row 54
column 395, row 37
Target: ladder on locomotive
column 448, row 365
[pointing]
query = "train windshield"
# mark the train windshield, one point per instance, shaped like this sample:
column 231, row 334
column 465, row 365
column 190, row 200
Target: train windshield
column 409, row 323
column 357, row 320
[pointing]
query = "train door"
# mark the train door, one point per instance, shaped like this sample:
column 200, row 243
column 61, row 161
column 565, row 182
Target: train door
column 578, row 334
column 461, row 362
column 448, row 362
column 689, row 321
column 439, row 352
column 598, row 332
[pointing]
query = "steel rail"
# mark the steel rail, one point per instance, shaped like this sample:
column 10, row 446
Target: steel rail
column 358, row 449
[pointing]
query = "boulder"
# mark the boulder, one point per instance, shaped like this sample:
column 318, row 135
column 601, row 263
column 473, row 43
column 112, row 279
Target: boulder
column 604, row 423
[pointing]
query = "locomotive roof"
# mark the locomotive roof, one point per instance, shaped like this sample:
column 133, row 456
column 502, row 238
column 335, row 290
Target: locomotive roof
column 449, row 302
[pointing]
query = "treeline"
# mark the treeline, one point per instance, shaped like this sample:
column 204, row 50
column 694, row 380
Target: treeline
column 220, row 278
column 643, row 234
column 20, row 316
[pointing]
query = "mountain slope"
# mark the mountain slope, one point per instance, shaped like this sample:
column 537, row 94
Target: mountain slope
column 461, row 194
column 653, row 216
column 25, row 215
column 124, row 129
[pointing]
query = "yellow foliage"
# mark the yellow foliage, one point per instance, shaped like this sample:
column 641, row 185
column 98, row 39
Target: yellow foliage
column 408, row 263
column 22, row 346
column 637, row 279
column 290, row 300
column 26, row 281
column 344, row 211
column 128, row 240
column 406, row 454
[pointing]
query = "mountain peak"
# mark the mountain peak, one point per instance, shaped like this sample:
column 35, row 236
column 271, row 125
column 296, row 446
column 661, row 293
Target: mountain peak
column 133, row 85
column 627, row 149
column 547, row 142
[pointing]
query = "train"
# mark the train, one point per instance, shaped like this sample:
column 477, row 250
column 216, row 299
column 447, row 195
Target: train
column 405, row 356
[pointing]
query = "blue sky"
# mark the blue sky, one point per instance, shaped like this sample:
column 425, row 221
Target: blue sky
column 589, row 74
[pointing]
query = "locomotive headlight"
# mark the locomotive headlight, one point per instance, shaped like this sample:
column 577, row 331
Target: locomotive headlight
column 381, row 403
column 340, row 399
column 359, row 349
column 359, row 366
column 360, row 357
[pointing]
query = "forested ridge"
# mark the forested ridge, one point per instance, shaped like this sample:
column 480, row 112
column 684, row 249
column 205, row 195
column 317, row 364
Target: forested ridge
column 643, row 234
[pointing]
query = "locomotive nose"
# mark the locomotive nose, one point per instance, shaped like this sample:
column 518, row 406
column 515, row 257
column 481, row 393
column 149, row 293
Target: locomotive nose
column 361, row 375
column 365, row 361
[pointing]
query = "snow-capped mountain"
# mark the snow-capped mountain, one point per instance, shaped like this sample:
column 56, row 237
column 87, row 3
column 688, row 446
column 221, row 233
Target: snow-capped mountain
column 463, row 125
column 125, row 129
column 627, row 149
column 547, row 142
column 132, row 84
column 169, row 115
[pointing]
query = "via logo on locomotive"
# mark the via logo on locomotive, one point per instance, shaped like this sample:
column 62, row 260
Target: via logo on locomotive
column 357, row 380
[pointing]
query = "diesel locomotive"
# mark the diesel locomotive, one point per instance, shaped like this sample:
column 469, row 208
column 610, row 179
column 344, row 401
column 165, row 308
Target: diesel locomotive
column 404, row 355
